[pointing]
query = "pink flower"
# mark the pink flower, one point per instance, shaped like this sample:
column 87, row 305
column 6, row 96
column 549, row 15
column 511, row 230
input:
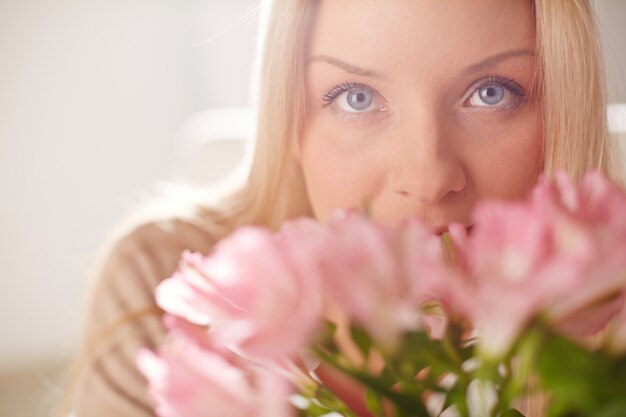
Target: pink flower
column 594, row 201
column 597, row 209
column 506, row 253
column 378, row 275
column 258, row 291
column 189, row 380
column 560, row 255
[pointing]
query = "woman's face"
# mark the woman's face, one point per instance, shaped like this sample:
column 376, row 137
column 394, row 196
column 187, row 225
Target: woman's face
column 420, row 107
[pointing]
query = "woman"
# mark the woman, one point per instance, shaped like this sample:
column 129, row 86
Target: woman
column 413, row 108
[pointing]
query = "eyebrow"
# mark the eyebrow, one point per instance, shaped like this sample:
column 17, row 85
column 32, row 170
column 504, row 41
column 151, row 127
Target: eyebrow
column 495, row 59
column 365, row 72
column 346, row 66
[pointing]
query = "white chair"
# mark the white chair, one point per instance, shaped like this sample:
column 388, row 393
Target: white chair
column 211, row 144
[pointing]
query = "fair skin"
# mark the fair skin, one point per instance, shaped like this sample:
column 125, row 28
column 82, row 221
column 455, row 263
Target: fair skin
column 420, row 107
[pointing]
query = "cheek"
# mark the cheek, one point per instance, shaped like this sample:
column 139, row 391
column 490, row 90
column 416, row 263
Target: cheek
column 339, row 171
column 506, row 157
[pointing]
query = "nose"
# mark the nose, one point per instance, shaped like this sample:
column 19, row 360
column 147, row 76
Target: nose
column 426, row 166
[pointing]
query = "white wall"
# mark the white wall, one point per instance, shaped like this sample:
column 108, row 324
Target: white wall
column 91, row 96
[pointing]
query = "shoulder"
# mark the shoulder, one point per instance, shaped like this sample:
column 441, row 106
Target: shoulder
column 121, row 316
column 146, row 247
column 153, row 236
column 162, row 228
column 141, row 252
column 158, row 240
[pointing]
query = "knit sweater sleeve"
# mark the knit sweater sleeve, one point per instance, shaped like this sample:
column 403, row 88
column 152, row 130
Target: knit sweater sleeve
column 122, row 317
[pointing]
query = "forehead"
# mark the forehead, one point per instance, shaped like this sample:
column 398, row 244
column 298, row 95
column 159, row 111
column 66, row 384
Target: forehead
column 393, row 35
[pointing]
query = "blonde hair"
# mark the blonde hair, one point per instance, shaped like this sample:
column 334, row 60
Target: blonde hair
column 576, row 135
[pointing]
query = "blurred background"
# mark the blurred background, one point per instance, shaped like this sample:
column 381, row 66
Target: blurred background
column 99, row 100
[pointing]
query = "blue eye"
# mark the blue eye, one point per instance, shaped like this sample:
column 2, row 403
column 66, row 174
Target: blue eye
column 491, row 94
column 496, row 92
column 352, row 98
column 357, row 99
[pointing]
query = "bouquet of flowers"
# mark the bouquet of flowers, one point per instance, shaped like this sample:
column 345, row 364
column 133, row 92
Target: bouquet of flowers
column 355, row 318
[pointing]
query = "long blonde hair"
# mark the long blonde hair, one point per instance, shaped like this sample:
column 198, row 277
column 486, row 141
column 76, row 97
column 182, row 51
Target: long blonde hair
column 576, row 135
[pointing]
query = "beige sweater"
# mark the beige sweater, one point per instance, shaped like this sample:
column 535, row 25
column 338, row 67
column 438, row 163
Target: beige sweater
column 122, row 316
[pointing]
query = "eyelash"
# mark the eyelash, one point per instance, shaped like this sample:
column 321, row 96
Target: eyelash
column 510, row 85
column 342, row 88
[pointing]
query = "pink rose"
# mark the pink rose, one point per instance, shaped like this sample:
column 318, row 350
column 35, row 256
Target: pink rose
column 189, row 380
column 257, row 291
column 505, row 288
column 378, row 275
column 560, row 255
column 597, row 208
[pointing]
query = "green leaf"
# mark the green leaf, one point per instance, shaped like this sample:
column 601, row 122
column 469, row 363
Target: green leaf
column 362, row 339
column 581, row 382
column 511, row 412
column 387, row 378
column 315, row 410
column 457, row 396
column 419, row 351
column 327, row 337
column 374, row 402
column 325, row 401
column 410, row 405
column 614, row 409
